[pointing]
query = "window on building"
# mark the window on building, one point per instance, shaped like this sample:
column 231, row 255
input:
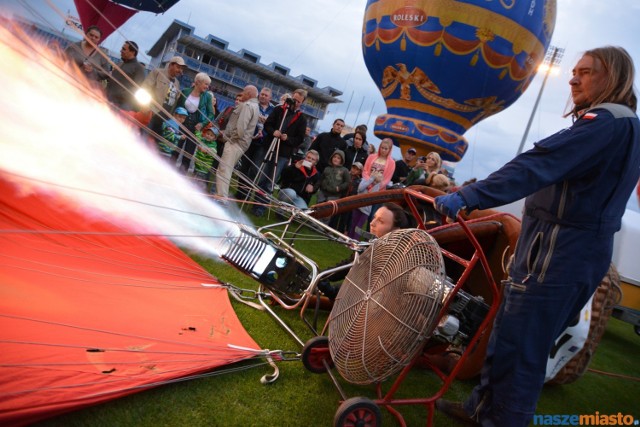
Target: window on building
column 225, row 66
column 241, row 74
column 250, row 57
column 217, row 44
column 281, row 70
column 308, row 82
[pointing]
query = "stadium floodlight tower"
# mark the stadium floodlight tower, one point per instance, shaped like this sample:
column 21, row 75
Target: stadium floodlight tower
column 550, row 65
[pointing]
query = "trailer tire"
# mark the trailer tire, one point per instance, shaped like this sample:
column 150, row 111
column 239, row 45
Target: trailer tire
column 606, row 297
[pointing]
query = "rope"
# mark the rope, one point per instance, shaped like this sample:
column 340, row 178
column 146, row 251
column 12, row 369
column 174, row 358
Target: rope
column 611, row 374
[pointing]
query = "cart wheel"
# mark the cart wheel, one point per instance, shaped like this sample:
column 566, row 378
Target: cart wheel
column 314, row 352
column 358, row 412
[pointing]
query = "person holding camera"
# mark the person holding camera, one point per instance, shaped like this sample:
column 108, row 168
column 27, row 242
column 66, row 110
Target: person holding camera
column 327, row 143
column 285, row 129
column 287, row 124
column 425, row 169
column 300, row 181
column 403, row 166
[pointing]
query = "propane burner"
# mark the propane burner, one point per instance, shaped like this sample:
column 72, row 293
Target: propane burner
column 266, row 261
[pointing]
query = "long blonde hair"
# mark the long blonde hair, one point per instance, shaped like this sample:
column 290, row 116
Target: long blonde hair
column 390, row 143
column 438, row 161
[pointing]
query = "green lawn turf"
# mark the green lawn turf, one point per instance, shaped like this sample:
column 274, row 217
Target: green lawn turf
column 300, row 398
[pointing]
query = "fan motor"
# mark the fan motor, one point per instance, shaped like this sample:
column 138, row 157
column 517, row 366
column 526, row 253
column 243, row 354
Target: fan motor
column 463, row 318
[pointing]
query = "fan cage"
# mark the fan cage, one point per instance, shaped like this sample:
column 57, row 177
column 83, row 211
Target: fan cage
column 387, row 306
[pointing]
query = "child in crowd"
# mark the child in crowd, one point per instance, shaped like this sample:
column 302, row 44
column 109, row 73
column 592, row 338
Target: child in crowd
column 344, row 222
column 204, row 156
column 356, row 177
column 334, row 182
column 440, row 182
column 171, row 133
column 335, row 179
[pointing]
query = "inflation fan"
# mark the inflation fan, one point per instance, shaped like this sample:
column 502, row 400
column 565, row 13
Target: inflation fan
column 387, row 307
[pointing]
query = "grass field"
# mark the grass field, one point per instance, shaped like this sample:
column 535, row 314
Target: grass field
column 235, row 396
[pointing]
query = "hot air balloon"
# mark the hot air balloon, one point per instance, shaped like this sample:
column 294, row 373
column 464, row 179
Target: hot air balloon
column 109, row 15
column 444, row 65
column 90, row 311
column 91, row 307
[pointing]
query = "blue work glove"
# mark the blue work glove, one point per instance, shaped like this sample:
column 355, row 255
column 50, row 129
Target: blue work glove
column 450, row 204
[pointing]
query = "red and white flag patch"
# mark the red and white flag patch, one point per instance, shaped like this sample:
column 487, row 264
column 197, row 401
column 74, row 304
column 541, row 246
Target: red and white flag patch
column 590, row 116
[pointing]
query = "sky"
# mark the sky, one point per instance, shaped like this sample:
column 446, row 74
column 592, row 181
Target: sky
column 322, row 39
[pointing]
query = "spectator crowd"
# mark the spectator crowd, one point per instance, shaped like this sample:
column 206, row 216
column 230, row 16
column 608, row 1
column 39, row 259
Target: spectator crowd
column 269, row 147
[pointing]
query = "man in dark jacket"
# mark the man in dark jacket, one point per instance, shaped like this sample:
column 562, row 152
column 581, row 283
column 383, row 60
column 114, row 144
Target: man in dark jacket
column 349, row 136
column 356, row 152
column 403, row 166
column 300, row 181
column 125, row 78
column 576, row 183
column 285, row 128
column 328, row 142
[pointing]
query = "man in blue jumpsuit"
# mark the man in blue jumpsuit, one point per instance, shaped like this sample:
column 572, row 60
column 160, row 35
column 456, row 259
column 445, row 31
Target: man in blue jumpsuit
column 578, row 182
